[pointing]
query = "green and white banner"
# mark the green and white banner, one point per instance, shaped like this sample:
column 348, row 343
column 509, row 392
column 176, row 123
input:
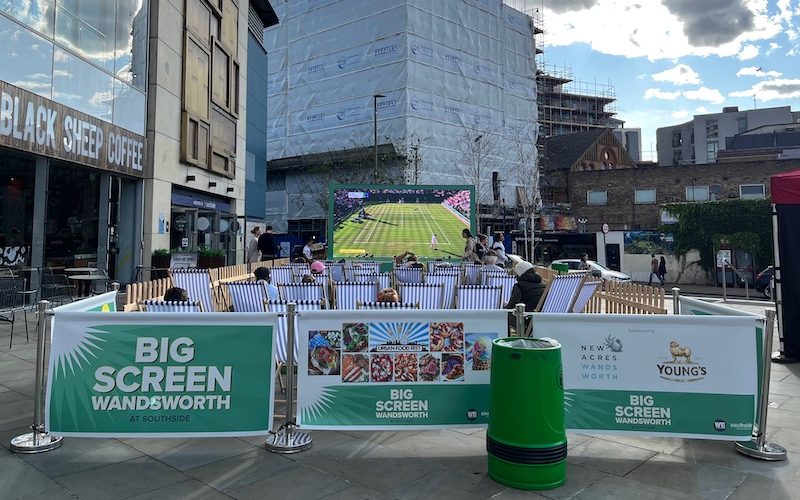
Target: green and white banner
column 160, row 375
column 105, row 302
column 682, row 376
column 408, row 369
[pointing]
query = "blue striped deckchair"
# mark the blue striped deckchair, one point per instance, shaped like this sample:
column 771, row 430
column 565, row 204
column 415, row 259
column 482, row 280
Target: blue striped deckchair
column 478, row 297
column 506, row 282
column 471, row 271
column 282, row 275
column 347, row 295
column 585, row 294
column 449, row 282
column 560, row 293
column 384, row 279
column 299, row 269
column 485, row 272
column 361, row 267
column 335, row 271
column 247, row 296
column 427, row 295
column 303, row 291
column 197, row 283
column 439, row 265
column 281, row 337
column 408, row 274
column 162, row 306
column 386, row 305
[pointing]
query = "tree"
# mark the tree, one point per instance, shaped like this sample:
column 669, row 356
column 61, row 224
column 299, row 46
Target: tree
column 523, row 152
column 479, row 156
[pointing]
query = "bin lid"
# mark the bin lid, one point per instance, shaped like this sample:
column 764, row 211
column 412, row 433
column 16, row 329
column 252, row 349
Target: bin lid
column 530, row 343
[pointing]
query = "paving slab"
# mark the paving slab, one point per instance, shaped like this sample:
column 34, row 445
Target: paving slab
column 658, row 444
column 698, row 479
column 187, row 489
column 722, row 453
column 607, row 456
column 448, row 483
column 296, row 481
column 77, row 454
column 765, row 488
column 185, row 454
column 122, row 480
column 356, row 492
column 241, row 470
column 514, row 494
column 19, row 479
column 578, row 479
column 9, row 396
column 16, row 414
column 623, row 488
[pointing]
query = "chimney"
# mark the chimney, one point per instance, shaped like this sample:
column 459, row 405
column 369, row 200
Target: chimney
column 730, row 109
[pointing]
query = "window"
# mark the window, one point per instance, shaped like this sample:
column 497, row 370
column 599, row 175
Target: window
column 751, row 191
column 741, row 123
column 644, row 196
column 711, row 151
column 677, row 140
column 596, row 197
column 677, row 157
column 697, row 193
column 712, row 129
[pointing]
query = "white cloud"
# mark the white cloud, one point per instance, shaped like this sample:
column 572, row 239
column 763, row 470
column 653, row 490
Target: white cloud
column 661, row 94
column 641, row 76
column 679, row 75
column 62, row 72
column 773, row 47
column 636, row 28
column 769, row 90
column 681, row 113
column 701, row 110
column 748, row 52
column 704, row 94
column 758, row 72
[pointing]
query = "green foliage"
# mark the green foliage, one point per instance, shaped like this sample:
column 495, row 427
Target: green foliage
column 745, row 224
column 210, row 252
column 160, row 252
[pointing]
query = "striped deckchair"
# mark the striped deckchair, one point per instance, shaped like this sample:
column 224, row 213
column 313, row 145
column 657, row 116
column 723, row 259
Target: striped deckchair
column 408, row 274
column 384, row 279
column 471, row 271
column 281, row 337
column 361, row 267
column 303, row 291
column 560, row 293
column 335, row 271
column 478, row 297
column 449, row 283
column 163, row 306
column 300, row 268
column 282, row 275
column 427, row 295
column 585, row 294
column 506, row 282
column 485, row 272
column 386, row 305
column 347, row 295
column 197, row 283
column 438, row 265
column 247, row 296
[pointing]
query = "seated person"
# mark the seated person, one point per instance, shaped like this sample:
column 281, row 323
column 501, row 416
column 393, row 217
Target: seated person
column 490, row 262
column 176, row 294
column 317, row 267
column 307, row 278
column 407, row 259
column 388, row 295
column 528, row 289
column 263, row 275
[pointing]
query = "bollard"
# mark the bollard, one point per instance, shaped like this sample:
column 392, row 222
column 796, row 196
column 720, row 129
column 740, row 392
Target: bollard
column 287, row 439
column 519, row 314
column 676, row 300
column 37, row 441
column 758, row 447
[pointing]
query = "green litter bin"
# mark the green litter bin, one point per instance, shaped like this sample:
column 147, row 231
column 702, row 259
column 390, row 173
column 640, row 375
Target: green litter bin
column 526, row 440
column 560, row 268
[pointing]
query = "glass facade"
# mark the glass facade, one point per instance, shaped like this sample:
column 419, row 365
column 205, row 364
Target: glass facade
column 90, row 55
column 16, row 208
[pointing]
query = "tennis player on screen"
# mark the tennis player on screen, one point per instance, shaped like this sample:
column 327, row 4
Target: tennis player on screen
column 434, row 242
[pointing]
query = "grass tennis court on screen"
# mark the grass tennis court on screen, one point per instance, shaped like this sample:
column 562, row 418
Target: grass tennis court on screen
column 393, row 228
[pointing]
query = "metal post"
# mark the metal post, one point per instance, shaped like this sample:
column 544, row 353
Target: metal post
column 519, row 313
column 375, row 131
column 724, row 282
column 38, row 440
column 287, row 439
column 676, row 300
column 758, row 447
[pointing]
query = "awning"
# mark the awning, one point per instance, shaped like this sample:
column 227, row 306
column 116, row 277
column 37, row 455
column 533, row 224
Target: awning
column 785, row 188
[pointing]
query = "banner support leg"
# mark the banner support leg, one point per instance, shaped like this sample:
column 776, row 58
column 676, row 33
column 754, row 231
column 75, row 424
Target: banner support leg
column 287, row 439
column 519, row 314
column 37, row 441
column 676, row 300
column 758, row 447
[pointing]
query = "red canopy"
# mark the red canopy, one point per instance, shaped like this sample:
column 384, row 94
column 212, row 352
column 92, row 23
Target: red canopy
column 786, row 188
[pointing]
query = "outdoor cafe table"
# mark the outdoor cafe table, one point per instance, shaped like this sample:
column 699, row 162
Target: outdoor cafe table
column 85, row 279
column 80, row 269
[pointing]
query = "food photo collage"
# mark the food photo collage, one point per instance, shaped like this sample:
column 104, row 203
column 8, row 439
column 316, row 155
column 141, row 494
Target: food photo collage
column 398, row 352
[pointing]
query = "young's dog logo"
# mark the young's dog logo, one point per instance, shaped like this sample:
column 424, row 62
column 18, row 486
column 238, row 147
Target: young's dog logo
column 681, row 368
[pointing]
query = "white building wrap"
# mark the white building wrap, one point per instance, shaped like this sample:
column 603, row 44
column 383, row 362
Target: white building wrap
column 451, row 70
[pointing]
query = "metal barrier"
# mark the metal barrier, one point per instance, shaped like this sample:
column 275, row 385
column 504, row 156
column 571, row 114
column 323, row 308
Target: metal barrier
column 738, row 273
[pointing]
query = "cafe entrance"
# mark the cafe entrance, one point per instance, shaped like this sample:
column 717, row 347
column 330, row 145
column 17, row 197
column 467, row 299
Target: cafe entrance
column 200, row 222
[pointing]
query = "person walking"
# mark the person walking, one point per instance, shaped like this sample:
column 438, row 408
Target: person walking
column 499, row 249
column 662, row 270
column 434, row 241
column 253, row 253
column 470, row 247
column 653, row 269
column 267, row 246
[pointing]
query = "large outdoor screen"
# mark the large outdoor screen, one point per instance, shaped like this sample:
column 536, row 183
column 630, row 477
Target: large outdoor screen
column 384, row 221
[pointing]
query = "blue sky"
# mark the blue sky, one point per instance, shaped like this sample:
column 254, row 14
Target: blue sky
column 671, row 59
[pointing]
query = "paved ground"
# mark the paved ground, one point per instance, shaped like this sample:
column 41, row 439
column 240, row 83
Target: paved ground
column 433, row 464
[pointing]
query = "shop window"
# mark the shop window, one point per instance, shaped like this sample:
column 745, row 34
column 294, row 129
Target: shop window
column 597, row 197
column 72, row 213
column 751, row 191
column 645, row 196
column 697, row 193
column 17, row 180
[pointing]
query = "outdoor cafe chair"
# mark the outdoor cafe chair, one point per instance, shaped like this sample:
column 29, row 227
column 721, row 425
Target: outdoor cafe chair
column 197, row 283
column 12, row 302
column 280, row 306
column 408, row 274
column 374, row 306
column 560, row 292
column 427, row 295
column 505, row 281
column 55, row 287
column 449, row 282
column 478, row 297
column 247, row 296
column 347, row 295
column 170, row 306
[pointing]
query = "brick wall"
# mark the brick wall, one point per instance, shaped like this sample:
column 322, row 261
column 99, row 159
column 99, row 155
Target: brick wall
column 670, row 183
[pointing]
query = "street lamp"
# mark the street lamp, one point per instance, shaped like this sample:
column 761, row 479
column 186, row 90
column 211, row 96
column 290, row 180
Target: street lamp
column 375, row 129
